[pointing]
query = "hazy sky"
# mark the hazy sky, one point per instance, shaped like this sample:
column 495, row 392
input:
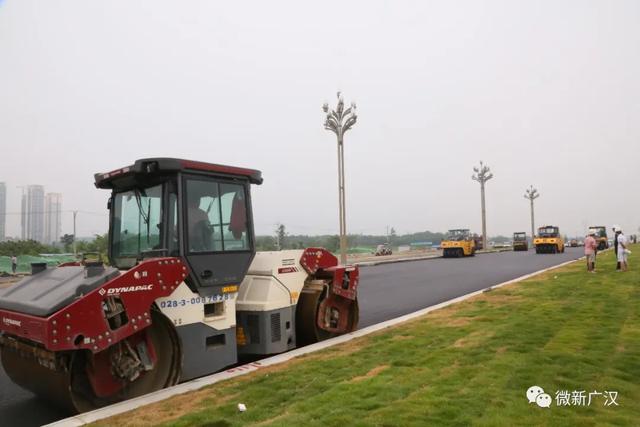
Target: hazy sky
column 546, row 92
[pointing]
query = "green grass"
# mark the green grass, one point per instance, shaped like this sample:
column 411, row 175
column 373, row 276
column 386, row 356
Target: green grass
column 467, row 364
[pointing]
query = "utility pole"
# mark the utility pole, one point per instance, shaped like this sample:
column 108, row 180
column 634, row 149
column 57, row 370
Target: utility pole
column 531, row 194
column 339, row 121
column 75, row 213
column 482, row 175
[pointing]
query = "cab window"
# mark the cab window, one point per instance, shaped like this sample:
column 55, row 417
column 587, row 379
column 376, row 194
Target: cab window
column 136, row 224
column 216, row 216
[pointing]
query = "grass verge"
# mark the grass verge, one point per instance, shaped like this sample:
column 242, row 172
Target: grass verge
column 468, row 364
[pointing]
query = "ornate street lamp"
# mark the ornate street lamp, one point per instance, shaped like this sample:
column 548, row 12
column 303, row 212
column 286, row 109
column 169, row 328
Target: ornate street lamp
column 482, row 175
column 339, row 121
column 531, row 194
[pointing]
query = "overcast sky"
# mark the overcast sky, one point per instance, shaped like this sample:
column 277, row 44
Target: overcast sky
column 546, row 92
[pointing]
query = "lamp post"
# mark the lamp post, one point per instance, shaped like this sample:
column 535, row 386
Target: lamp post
column 482, row 175
column 75, row 252
column 531, row 194
column 339, row 121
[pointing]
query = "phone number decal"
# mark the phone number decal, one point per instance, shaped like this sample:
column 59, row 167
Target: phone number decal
column 193, row 301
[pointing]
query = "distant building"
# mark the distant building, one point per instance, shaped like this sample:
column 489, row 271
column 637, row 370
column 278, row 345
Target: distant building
column 23, row 216
column 34, row 213
column 3, row 211
column 52, row 218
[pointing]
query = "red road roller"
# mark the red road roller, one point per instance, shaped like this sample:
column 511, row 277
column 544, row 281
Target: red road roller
column 184, row 293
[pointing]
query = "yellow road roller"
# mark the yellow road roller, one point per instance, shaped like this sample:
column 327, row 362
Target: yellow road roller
column 549, row 240
column 458, row 243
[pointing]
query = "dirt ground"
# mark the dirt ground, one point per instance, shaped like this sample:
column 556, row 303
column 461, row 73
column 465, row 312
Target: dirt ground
column 7, row 281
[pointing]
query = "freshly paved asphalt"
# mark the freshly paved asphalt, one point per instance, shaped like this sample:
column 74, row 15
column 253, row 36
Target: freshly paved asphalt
column 391, row 290
column 386, row 291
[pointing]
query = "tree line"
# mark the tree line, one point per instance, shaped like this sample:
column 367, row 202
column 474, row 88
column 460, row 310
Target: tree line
column 283, row 240
column 279, row 240
column 31, row 247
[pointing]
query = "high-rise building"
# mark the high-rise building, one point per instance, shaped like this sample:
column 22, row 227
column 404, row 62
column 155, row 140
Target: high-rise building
column 23, row 216
column 52, row 218
column 3, row 211
column 34, row 213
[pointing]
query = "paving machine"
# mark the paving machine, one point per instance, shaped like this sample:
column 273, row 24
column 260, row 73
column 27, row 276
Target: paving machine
column 520, row 241
column 600, row 234
column 549, row 240
column 184, row 295
column 458, row 243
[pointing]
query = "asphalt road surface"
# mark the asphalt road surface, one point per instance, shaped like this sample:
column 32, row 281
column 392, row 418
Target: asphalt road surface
column 391, row 290
column 386, row 291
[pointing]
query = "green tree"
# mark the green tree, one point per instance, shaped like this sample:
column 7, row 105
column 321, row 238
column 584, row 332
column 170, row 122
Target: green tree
column 99, row 245
column 67, row 241
column 281, row 237
column 25, row 247
column 331, row 243
column 265, row 243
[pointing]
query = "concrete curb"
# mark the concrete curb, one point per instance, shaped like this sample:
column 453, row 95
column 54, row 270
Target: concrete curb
column 196, row 384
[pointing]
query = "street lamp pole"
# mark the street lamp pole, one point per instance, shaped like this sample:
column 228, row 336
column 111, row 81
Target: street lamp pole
column 339, row 121
column 482, row 175
column 75, row 252
column 531, row 194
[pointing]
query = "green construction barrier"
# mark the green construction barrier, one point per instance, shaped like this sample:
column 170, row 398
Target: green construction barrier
column 24, row 262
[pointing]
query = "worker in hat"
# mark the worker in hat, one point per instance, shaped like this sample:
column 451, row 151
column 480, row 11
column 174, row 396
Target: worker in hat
column 616, row 233
column 590, row 246
column 623, row 251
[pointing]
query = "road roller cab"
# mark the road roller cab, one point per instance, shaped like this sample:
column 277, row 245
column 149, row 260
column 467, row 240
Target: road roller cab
column 549, row 240
column 183, row 296
column 458, row 243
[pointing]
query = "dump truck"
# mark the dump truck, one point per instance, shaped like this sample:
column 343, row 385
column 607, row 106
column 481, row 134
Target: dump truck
column 549, row 240
column 520, row 242
column 600, row 234
column 184, row 295
column 458, row 243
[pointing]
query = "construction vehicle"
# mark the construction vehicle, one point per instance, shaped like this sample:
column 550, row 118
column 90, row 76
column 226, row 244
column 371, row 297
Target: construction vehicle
column 549, row 240
column 520, row 242
column 458, row 243
column 184, row 296
column 383, row 249
column 600, row 234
